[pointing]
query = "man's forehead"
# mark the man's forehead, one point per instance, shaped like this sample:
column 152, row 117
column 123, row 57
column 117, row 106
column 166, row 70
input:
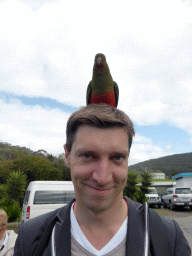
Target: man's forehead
column 87, row 128
column 93, row 138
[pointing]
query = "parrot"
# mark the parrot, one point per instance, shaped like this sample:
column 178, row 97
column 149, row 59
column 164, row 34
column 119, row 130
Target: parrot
column 102, row 88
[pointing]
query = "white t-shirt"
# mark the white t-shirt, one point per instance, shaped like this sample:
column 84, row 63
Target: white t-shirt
column 82, row 240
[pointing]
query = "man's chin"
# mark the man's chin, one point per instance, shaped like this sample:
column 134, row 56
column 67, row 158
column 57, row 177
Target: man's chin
column 98, row 206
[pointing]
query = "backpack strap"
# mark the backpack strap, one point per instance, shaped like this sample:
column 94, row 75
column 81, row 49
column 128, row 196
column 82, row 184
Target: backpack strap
column 159, row 242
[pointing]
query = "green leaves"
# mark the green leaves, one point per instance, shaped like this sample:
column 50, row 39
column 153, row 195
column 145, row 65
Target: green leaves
column 131, row 188
column 16, row 185
column 135, row 192
column 12, row 193
column 145, row 182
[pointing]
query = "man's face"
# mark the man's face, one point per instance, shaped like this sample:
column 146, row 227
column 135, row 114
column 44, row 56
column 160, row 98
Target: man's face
column 99, row 163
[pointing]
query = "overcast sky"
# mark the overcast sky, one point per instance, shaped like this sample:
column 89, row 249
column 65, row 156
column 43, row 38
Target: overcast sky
column 47, row 51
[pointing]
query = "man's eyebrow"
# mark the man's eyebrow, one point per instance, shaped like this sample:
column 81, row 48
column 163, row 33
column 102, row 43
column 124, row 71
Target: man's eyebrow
column 123, row 153
column 84, row 150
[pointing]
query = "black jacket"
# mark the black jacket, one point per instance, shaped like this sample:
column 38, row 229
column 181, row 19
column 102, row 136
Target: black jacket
column 165, row 236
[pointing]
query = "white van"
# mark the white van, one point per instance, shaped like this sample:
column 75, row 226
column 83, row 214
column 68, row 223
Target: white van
column 45, row 196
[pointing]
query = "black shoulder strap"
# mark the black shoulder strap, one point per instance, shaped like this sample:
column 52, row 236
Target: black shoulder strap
column 159, row 242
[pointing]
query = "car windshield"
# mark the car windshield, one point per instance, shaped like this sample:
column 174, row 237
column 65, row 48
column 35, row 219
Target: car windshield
column 182, row 191
column 153, row 191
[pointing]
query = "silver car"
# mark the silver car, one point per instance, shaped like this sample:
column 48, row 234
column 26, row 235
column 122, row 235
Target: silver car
column 153, row 198
column 177, row 197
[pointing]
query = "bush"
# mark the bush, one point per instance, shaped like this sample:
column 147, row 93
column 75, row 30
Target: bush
column 2, row 191
column 140, row 197
column 12, row 209
column 36, row 168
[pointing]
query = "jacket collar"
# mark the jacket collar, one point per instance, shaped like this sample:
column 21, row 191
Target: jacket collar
column 63, row 231
column 135, row 244
column 135, row 230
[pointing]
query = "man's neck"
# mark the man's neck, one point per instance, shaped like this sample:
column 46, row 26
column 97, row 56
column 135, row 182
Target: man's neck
column 115, row 214
column 99, row 228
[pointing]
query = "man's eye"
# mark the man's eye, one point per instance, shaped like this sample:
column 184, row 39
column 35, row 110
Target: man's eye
column 118, row 158
column 87, row 156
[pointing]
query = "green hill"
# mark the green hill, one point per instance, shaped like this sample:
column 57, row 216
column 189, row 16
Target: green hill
column 178, row 163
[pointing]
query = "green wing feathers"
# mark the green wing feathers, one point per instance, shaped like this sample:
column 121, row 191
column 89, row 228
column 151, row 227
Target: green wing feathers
column 116, row 89
column 89, row 90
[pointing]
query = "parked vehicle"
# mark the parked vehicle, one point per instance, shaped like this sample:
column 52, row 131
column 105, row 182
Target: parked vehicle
column 45, row 196
column 153, row 198
column 177, row 197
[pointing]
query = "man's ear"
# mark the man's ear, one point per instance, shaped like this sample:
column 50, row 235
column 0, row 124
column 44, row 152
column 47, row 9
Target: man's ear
column 67, row 157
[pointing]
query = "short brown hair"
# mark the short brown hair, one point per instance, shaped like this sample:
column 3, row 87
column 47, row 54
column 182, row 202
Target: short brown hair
column 101, row 116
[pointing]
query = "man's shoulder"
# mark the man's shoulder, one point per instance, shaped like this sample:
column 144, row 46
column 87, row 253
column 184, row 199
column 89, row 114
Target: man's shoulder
column 32, row 231
column 41, row 220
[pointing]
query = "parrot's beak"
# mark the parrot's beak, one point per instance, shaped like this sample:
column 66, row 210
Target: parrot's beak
column 99, row 60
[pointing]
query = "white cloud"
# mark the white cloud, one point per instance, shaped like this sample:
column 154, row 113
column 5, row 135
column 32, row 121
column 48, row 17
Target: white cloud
column 47, row 49
column 33, row 127
column 145, row 151
column 139, row 138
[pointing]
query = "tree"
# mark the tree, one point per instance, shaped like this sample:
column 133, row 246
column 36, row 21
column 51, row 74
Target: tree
column 145, row 182
column 131, row 185
column 12, row 193
column 173, row 172
column 5, row 167
column 36, row 167
column 16, row 186
column 12, row 209
column 140, row 197
column 2, row 191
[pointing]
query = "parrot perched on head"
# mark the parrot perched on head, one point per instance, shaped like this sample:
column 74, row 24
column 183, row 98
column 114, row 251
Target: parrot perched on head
column 102, row 88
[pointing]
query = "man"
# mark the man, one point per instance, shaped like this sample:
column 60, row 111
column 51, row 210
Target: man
column 7, row 237
column 100, row 221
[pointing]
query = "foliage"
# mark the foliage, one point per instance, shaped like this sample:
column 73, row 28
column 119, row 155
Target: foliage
column 172, row 173
column 131, row 187
column 16, row 157
column 60, row 164
column 15, row 186
column 12, row 193
column 145, row 182
column 132, row 190
column 18, row 167
column 5, row 167
column 140, row 197
column 8, row 152
column 36, row 167
column 12, row 209
column 2, row 191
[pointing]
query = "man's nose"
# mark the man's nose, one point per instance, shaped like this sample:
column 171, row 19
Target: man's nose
column 103, row 172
